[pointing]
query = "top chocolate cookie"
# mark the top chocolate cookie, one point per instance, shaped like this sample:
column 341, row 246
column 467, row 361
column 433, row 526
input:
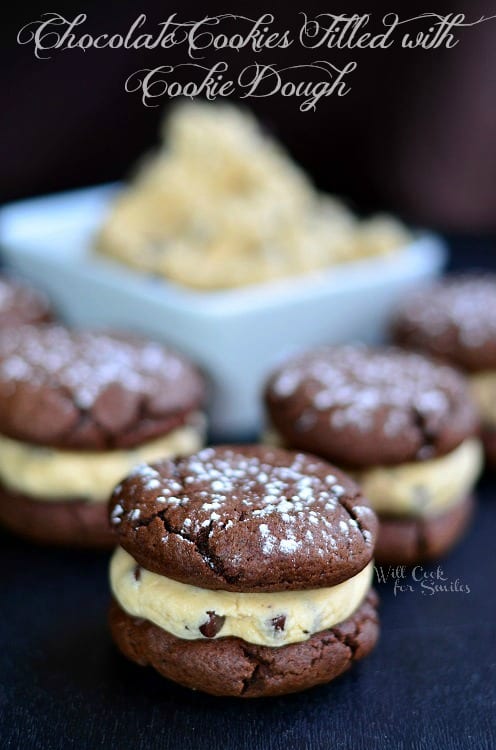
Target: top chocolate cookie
column 93, row 391
column 245, row 518
column 455, row 319
column 20, row 304
column 360, row 406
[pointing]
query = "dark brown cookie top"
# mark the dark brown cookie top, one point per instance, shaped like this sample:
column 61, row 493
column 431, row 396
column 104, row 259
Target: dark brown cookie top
column 245, row 518
column 360, row 406
column 21, row 304
column 455, row 320
column 92, row 391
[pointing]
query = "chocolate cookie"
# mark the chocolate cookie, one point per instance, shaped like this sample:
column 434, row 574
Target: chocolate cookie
column 243, row 570
column 92, row 391
column 455, row 321
column 360, row 406
column 77, row 411
column 404, row 424
column 211, row 520
column 414, row 540
column 230, row 666
column 67, row 522
column 21, row 304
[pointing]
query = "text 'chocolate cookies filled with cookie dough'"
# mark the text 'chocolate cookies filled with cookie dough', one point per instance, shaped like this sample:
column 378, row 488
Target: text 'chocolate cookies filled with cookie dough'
column 243, row 570
column 77, row 411
column 404, row 426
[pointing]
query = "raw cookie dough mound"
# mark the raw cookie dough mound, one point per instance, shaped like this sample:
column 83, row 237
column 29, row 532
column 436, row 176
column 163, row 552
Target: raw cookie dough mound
column 221, row 205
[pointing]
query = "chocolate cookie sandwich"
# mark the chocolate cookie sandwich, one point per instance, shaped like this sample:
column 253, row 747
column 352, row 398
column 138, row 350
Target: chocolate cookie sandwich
column 77, row 411
column 405, row 427
column 243, row 571
column 21, row 304
column 455, row 320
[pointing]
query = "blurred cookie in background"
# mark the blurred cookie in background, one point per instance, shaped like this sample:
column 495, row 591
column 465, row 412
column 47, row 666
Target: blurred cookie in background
column 78, row 410
column 403, row 426
column 455, row 320
column 21, row 304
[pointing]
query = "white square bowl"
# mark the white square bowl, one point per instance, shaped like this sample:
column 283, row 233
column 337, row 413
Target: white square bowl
column 237, row 335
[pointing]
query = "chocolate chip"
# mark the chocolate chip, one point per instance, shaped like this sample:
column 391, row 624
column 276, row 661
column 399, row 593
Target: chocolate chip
column 278, row 623
column 137, row 572
column 213, row 625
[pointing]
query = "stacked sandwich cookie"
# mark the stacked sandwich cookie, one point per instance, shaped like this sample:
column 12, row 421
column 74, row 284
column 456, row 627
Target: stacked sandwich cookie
column 455, row 320
column 404, row 426
column 243, row 570
column 77, row 411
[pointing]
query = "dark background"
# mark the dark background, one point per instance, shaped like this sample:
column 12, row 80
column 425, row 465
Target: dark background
column 416, row 135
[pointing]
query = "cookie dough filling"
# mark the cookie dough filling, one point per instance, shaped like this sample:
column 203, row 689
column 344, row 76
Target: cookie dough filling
column 51, row 474
column 266, row 619
column 417, row 488
column 423, row 488
column 483, row 387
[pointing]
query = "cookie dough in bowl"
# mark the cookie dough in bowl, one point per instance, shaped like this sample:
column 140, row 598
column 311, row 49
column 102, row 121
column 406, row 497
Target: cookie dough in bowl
column 243, row 570
column 221, row 205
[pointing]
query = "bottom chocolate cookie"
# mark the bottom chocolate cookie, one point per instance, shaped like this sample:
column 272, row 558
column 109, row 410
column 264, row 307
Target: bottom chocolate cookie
column 405, row 541
column 73, row 523
column 230, row 666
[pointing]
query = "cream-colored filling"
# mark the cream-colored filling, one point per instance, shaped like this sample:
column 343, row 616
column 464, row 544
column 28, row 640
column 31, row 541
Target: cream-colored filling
column 483, row 387
column 50, row 474
column 419, row 488
column 264, row 619
column 423, row 488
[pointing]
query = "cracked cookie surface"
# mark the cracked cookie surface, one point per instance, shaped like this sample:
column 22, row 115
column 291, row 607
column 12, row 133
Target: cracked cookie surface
column 361, row 406
column 230, row 666
column 92, row 391
column 245, row 518
column 453, row 319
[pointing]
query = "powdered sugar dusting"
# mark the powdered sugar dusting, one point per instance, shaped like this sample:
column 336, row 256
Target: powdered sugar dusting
column 365, row 389
column 465, row 305
column 289, row 500
column 86, row 363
